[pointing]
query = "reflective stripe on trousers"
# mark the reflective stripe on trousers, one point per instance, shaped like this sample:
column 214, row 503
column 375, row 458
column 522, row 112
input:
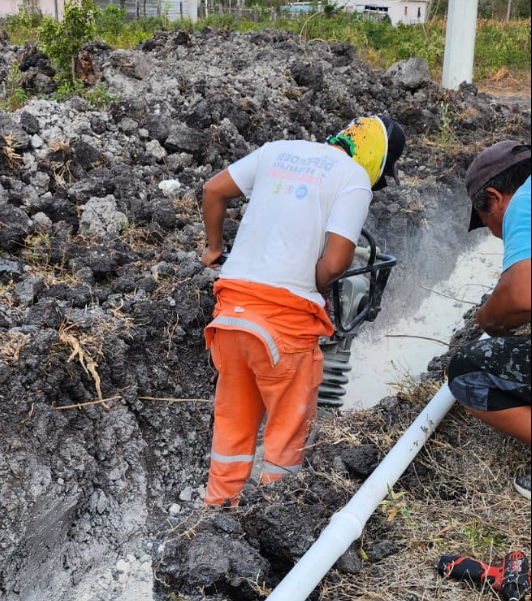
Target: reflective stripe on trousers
column 282, row 471
column 250, row 326
column 272, row 469
column 232, row 458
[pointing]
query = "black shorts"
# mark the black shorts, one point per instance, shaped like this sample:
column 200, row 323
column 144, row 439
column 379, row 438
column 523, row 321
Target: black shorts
column 493, row 374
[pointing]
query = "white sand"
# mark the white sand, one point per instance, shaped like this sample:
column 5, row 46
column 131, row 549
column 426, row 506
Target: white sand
column 379, row 361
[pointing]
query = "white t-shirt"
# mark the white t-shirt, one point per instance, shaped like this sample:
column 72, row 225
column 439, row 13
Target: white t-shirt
column 299, row 191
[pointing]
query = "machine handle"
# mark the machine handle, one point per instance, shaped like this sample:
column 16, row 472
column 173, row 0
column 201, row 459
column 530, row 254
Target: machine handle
column 379, row 267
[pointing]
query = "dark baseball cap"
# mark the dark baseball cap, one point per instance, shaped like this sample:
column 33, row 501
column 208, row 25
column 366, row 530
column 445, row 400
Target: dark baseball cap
column 488, row 165
column 396, row 147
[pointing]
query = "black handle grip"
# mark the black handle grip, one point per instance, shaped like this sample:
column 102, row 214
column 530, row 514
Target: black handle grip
column 460, row 568
column 222, row 258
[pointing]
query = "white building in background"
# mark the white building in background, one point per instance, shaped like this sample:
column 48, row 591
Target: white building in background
column 173, row 9
column 409, row 12
column 46, row 7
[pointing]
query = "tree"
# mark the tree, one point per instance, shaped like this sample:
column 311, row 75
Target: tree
column 489, row 9
column 438, row 8
column 63, row 41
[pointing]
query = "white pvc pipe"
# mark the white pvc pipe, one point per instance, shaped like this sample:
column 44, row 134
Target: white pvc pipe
column 347, row 525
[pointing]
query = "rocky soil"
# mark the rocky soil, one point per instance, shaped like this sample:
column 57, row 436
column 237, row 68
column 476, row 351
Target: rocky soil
column 456, row 498
column 103, row 298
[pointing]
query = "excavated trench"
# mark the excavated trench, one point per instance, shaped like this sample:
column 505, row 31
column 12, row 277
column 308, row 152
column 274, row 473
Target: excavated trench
column 104, row 384
column 397, row 347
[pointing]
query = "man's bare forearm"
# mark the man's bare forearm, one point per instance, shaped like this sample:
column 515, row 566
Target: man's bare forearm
column 214, row 211
column 325, row 276
column 502, row 325
column 216, row 195
column 336, row 260
column 509, row 307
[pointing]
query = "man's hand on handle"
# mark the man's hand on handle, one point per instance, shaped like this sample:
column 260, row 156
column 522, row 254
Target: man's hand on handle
column 211, row 258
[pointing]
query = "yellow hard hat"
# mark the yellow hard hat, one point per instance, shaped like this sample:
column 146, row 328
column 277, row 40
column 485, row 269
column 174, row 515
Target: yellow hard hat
column 375, row 143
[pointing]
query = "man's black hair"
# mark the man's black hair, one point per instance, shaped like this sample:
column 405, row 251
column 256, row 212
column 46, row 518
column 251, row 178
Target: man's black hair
column 507, row 182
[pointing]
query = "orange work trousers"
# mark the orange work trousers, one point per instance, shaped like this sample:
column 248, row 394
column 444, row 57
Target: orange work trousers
column 249, row 387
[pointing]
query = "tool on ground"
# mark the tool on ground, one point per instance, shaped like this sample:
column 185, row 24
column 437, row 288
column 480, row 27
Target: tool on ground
column 511, row 578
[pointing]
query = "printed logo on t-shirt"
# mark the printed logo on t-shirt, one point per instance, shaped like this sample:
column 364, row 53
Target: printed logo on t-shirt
column 302, row 192
column 310, row 171
column 282, row 188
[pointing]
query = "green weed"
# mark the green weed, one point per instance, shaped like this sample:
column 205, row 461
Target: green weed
column 397, row 505
column 446, row 139
column 23, row 26
column 483, row 542
column 99, row 96
column 69, row 89
column 13, row 95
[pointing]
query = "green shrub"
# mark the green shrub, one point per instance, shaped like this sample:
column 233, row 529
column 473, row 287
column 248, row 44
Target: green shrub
column 99, row 96
column 68, row 89
column 500, row 47
column 13, row 96
column 63, row 41
column 23, row 26
column 379, row 34
column 111, row 21
column 24, row 19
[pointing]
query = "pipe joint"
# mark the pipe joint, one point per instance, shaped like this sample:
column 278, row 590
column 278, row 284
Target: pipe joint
column 348, row 525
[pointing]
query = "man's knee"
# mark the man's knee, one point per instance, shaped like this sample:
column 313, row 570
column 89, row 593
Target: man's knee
column 458, row 366
column 471, row 371
column 469, row 384
column 462, row 364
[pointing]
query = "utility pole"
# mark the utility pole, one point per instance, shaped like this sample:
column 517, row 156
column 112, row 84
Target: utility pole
column 460, row 43
column 193, row 10
column 509, row 15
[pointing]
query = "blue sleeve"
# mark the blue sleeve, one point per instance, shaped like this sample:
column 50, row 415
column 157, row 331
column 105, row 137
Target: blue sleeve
column 517, row 228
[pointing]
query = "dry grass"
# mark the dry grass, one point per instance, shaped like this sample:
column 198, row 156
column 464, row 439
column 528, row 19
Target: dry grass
column 138, row 236
column 508, row 83
column 463, row 504
column 61, row 164
column 90, row 342
column 11, row 345
column 81, row 346
column 60, row 147
column 11, row 147
column 36, row 254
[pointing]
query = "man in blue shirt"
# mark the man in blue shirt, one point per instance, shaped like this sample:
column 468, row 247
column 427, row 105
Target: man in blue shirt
column 492, row 378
